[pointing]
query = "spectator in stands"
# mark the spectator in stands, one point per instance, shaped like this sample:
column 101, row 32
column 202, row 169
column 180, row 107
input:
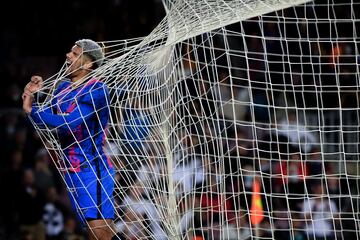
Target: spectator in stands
column 11, row 183
column 53, row 215
column 44, row 178
column 297, row 227
column 216, row 207
column 238, row 227
column 290, row 179
column 135, row 130
column 30, row 207
column 287, row 228
column 233, row 99
column 141, row 217
column 26, row 235
column 71, row 230
column 134, row 225
column 315, row 161
column 282, row 223
column 334, row 186
column 296, row 132
column 190, row 207
column 320, row 213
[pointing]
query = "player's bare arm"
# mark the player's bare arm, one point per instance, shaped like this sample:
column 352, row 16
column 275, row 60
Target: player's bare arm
column 33, row 86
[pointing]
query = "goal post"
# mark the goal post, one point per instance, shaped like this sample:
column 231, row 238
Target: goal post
column 234, row 119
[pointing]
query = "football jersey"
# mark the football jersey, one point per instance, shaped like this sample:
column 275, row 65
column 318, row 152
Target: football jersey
column 80, row 116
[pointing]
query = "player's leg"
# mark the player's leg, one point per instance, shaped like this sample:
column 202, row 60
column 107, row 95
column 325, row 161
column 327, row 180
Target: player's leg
column 93, row 201
column 100, row 229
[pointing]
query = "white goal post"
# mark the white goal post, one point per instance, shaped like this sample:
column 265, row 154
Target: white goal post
column 234, row 119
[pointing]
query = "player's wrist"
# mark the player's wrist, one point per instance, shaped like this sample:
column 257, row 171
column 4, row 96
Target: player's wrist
column 28, row 99
column 28, row 93
column 28, row 110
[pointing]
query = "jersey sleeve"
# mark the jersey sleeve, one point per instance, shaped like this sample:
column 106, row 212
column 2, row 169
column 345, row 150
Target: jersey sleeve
column 66, row 122
column 92, row 99
column 49, row 108
column 37, row 120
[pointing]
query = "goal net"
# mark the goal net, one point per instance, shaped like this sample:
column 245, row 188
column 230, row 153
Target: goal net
column 233, row 119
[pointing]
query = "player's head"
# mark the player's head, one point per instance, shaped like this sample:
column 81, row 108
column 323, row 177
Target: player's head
column 92, row 50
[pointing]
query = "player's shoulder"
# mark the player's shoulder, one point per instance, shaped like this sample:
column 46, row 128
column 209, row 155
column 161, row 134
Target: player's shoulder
column 63, row 84
column 95, row 84
column 94, row 89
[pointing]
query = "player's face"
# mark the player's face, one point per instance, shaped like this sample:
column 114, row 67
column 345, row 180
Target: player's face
column 75, row 60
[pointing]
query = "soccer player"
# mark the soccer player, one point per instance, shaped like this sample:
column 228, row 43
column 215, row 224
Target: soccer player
column 79, row 111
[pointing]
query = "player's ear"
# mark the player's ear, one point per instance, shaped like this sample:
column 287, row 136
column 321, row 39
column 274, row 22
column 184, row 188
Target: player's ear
column 88, row 63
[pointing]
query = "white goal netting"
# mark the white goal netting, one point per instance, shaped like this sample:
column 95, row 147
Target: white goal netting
column 233, row 119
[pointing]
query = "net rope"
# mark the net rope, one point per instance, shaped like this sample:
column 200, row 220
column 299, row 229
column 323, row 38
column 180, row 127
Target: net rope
column 233, row 119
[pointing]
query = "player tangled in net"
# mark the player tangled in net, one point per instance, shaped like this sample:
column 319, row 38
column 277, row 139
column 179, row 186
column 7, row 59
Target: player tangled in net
column 79, row 111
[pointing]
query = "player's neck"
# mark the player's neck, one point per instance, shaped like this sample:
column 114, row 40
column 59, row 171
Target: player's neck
column 78, row 79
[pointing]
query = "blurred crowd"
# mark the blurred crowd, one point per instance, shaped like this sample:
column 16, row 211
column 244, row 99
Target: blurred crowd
column 215, row 188
column 249, row 112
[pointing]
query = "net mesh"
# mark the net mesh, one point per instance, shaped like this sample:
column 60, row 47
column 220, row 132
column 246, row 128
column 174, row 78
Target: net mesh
column 232, row 120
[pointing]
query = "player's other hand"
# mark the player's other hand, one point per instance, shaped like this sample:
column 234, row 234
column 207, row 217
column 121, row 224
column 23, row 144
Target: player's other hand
column 34, row 85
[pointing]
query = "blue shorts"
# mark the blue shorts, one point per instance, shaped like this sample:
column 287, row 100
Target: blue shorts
column 91, row 193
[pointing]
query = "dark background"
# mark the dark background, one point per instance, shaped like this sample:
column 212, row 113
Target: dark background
column 36, row 35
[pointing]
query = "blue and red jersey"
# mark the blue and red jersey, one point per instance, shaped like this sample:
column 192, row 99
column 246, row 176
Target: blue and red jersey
column 80, row 116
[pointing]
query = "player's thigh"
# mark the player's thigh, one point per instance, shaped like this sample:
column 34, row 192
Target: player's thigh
column 83, row 191
column 91, row 194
